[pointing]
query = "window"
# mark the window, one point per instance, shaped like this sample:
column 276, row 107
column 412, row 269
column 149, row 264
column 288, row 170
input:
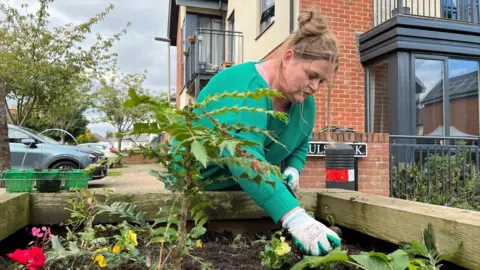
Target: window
column 378, row 106
column 429, row 97
column 463, row 97
column 267, row 14
column 453, row 112
column 16, row 136
column 211, row 41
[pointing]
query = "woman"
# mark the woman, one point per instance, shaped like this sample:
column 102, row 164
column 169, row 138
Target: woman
column 308, row 63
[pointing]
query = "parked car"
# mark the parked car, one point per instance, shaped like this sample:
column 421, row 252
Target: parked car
column 36, row 150
column 106, row 148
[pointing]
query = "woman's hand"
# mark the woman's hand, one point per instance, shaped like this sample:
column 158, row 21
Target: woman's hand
column 292, row 177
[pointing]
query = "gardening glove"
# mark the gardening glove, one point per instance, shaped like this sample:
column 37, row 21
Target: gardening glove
column 312, row 236
column 292, row 177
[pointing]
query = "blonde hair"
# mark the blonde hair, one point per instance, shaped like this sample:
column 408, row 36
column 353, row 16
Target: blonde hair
column 313, row 40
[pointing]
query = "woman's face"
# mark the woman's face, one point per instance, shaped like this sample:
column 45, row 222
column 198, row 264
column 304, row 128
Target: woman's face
column 304, row 77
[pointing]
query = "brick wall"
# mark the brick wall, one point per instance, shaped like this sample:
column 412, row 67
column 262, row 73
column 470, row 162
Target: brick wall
column 345, row 18
column 373, row 170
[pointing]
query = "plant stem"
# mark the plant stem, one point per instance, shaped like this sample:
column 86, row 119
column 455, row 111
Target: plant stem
column 177, row 263
column 356, row 264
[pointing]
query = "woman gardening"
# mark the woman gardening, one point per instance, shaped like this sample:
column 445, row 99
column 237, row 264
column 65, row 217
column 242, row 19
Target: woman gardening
column 304, row 69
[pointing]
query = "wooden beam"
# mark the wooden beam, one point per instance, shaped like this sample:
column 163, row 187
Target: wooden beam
column 13, row 212
column 49, row 208
column 397, row 220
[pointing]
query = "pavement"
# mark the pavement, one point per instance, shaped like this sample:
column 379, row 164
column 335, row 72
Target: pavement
column 132, row 176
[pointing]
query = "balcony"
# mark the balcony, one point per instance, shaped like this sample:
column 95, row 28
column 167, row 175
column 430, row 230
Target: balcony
column 207, row 52
column 456, row 10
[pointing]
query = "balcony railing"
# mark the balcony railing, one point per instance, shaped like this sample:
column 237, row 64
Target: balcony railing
column 459, row 10
column 437, row 170
column 212, row 51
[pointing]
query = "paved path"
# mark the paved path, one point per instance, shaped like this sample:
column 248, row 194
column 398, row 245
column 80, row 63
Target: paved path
column 132, row 177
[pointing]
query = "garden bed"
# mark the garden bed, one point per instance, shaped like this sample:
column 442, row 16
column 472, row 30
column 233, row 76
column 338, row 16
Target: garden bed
column 223, row 250
column 370, row 223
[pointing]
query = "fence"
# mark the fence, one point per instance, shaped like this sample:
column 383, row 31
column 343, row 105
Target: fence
column 437, row 170
column 460, row 10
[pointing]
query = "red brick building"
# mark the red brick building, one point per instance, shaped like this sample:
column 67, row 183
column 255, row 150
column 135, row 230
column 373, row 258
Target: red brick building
column 390, row 64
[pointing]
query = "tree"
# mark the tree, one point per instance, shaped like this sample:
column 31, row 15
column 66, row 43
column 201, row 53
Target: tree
column 111, row 96
column 4, row 145
column 87, row 137
column 39, row 63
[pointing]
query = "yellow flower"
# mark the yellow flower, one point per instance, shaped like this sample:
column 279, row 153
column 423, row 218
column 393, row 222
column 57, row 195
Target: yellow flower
column 198, row 244
column 116, row 249
column 133, row 238
column 284, row 248
column 101, row 261
column 97, row 251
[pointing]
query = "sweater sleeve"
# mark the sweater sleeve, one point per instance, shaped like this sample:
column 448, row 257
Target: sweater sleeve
column 298, row 157
column 277, row 200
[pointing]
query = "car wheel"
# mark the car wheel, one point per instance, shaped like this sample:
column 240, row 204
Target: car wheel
column 65, row 165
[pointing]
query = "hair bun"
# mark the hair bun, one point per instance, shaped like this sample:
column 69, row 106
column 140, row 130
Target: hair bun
column 311, row 23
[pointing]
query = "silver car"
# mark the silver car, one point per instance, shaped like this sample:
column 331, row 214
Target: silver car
column 30, row 150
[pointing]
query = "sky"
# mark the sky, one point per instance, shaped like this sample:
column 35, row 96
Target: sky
column 137, row 50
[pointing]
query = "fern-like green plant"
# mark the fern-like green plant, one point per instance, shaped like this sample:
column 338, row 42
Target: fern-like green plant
column 195, row 146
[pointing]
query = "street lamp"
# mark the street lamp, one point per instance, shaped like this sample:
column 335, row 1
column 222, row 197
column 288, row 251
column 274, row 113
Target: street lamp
column 164, row 39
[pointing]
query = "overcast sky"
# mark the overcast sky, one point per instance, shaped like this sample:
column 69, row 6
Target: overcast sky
column 137, row 49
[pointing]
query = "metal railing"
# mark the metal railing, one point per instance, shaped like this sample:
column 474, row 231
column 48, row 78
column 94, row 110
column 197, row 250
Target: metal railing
column 436, row 170
column 459, row 10
column 212, row 51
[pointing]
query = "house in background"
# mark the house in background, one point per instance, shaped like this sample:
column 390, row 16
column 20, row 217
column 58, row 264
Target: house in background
column 408, row 69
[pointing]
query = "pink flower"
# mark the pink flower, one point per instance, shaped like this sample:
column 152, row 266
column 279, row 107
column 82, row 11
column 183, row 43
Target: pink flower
column 36, row 232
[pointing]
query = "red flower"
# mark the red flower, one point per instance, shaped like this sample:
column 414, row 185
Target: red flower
column 33, row 258
column 20, row 256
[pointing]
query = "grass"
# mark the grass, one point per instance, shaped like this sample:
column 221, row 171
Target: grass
column 114, row 173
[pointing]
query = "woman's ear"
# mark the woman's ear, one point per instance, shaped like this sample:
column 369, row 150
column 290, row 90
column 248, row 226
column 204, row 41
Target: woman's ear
column 287, row 57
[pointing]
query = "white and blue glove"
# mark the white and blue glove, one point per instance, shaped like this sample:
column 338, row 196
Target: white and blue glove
column 312, row 236
column 292, row 176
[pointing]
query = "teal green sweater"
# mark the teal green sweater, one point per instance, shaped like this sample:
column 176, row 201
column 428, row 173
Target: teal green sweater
column 294, row 136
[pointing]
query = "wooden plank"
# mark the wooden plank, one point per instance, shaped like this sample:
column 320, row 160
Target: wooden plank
column 396, row 220
column 13, row 212
column 49, row 208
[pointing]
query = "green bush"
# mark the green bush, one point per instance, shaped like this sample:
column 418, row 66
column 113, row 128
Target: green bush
column 450, row 180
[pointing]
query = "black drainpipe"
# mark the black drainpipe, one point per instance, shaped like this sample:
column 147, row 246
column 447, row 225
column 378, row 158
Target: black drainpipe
column 291, row 15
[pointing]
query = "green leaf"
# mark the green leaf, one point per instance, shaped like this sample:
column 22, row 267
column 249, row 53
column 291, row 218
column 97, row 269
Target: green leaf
column 197, row 232
column 370, row 262
column 200, row 153
column 400, row 259
column 335, row 255
column 56, row 245
column 73, row 246
column 380, row 255
column 162, row 230
column 158, row 239
column 230, row 145
column 419, row 248
column 171, row 219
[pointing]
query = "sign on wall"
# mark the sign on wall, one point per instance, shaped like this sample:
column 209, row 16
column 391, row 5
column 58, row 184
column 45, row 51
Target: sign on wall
column 317, row 149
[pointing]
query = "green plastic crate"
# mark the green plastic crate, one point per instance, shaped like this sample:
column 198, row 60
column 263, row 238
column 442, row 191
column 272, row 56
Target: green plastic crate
column 18, row 180
column 48, row 180
column 76, row 179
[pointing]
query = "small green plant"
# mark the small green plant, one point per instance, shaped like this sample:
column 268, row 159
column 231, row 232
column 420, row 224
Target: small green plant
column 412, row 255
column 277, row 252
